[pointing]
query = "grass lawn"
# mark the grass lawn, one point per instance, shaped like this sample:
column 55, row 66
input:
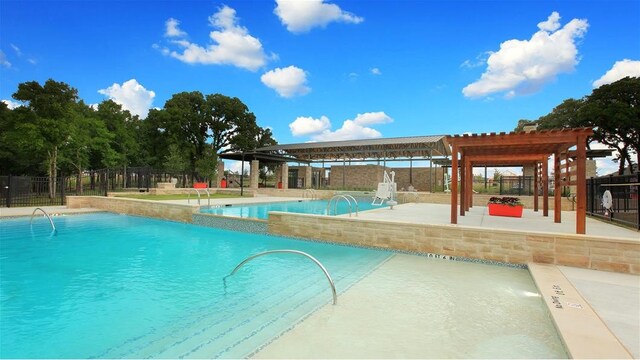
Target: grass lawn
column 176, row 196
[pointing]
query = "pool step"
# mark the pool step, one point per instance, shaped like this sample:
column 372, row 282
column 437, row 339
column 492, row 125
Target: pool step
column 205, row 321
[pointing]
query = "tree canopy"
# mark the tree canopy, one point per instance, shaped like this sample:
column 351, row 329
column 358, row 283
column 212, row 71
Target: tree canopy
column 54, row 130
column 613, row 111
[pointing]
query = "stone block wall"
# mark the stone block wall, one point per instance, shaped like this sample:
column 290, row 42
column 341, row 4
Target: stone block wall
column 356, row 176
column 591, row 252
column 147, row 208
column 420, row 178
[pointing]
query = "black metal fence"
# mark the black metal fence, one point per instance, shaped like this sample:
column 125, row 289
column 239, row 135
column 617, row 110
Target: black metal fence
column 624, row 194
column 18, row 191
column 35, row 190
column 516, row 185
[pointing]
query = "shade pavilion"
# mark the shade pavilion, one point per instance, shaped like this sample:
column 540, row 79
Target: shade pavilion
column 524, row 149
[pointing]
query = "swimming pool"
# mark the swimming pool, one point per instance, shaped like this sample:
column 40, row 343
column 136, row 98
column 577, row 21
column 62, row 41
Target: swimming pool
column 115, row 286
column 317, row 207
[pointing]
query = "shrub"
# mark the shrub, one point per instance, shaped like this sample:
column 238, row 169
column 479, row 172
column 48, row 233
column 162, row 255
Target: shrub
column 511, row 201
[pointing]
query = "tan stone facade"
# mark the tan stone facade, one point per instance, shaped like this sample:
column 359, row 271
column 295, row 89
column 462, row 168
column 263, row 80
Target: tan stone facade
column 516, row 247
column 356, row 176
column 134, row 207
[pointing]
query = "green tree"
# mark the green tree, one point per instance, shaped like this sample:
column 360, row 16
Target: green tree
column 613, row 111
column 88, row 137
column 52, row 106
column 207, row 166
column 233, row 127
column 21, row 147
column 123, row 126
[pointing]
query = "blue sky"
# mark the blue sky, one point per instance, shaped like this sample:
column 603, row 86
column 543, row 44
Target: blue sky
column 314, row 70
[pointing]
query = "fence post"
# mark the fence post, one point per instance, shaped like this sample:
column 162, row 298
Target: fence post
column 9, row 191
column 148, row 177
column 62, row 186
column 106, row 182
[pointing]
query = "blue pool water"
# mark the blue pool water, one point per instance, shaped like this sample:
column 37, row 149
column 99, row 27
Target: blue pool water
column 116, row 286
column 318, row 207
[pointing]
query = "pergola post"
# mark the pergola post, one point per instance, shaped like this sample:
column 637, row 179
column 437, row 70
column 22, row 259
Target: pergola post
column 581, row 186
column 469, row 173
column 545, row 187
column 557, row 189
column 535, row 186
column 463, row 195
column 454, row 184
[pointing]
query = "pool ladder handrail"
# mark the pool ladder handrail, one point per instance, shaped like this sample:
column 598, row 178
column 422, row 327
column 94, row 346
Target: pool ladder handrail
column 324, row 270
column 337, row 198
column 53, row 227
column 311, row 192
column 198, row 192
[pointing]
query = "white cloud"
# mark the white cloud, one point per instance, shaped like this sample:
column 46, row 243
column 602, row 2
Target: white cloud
column 307, row 125
column 3, row 60
column 231, row 44
column 16, row 49
column 172, row 28
column 376, row 71
column 301, row 16
column 132, row 96
column 372, row 118
column 11, row 104
column 350, row 130
column 620, row 69
column 358, row 128
column 287, row 82
column 524, row 66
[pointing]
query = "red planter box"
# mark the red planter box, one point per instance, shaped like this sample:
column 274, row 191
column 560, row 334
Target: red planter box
column 505, row 210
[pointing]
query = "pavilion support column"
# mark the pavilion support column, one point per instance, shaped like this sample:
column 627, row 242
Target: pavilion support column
column 454, row 185
column 308, row 177
column 545, row 187
column 284, row 176
column 581, row 186
column 463, row 195
column 535, row 187
column 254, row 174
column 219, row 173
column 557, row 189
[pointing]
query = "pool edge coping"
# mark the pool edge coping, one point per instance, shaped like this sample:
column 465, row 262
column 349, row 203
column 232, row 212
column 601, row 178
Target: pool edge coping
column 583, row 333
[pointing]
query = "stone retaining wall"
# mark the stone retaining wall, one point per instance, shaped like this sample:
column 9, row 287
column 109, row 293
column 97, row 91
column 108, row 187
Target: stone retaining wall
column 148, row 208
column 591, row 252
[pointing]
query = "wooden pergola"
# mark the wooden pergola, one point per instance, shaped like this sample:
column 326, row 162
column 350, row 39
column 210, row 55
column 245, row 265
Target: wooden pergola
column 524, row 149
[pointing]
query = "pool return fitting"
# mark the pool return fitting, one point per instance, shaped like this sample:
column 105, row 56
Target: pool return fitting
column 324, row 270
column 53, row 227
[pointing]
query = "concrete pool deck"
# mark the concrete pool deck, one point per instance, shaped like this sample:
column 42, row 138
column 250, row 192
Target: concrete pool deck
column 614, row 297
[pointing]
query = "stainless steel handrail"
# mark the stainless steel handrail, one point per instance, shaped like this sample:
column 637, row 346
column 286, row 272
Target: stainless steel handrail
column 354, row 201
column 208, row 197
column 189, row 196
column 45, row 214
column 311, row 192
column 335, row 205
column 324, row 270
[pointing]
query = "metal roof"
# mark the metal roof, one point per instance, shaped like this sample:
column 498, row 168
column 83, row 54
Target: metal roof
column 400, row 147
column 263, row 157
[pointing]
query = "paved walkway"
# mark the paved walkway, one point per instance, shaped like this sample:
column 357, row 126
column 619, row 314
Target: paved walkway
column 478, row 216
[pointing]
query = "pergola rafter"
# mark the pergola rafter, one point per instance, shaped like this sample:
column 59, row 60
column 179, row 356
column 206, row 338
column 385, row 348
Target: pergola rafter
column 520, row 149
